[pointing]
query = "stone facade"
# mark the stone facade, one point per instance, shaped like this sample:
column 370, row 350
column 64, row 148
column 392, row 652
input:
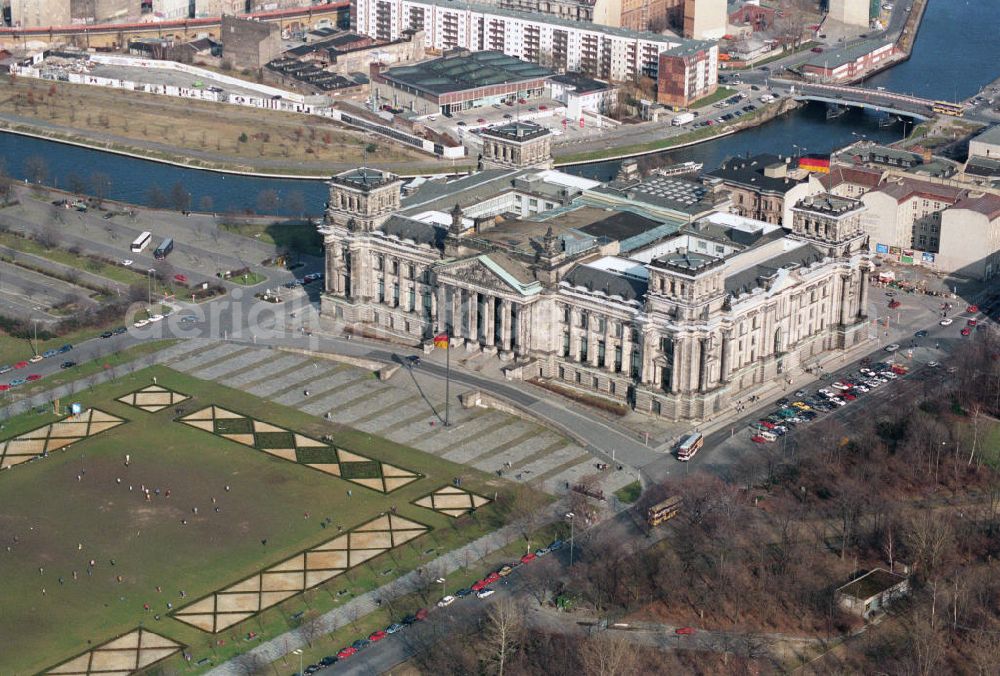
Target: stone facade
column 678, row 314
column 517, row 145
column 249, row 44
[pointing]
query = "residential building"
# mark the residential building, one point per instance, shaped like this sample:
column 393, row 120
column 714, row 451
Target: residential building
column 872, row 592
column 983, row 165
column 986, row 144
column 673, row 308
column 687, row 73
column 458, row 81
column 582, row 94
column 249, row 44
column 604, row 52
column 953, row 226
column 849, row 63
column 765, row 187
column 850, row 12
column 705, row 19
column 851, row 181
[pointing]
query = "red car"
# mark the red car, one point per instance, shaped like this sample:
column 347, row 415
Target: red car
column 521, row 101
column 481, row 120
column 491, row 578
column 685, row 631
column 899, row 369
column 757, row 439
column 377, row 636
column 33, row 377
column 972, row 308
column 4, row 388
column 767, row 423
column 529, row 557
column 346, row 652
column 817, row 50
column 966, row 331
column 21, row 365
column 479, row 584
column 848, row 396
column 972, row 322
column 421, row 614
column 543, row 107
column 893, row 304
column 181, row 278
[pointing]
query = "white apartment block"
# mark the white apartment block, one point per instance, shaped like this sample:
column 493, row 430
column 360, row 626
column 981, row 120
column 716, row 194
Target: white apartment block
column 601, row 51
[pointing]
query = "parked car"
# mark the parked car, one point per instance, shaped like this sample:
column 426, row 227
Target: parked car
column 35, row 359
column 141, row 323
column 505, row 571
column 485, row 593
column 409, row 619
column 947, row 321
column 344, row 653
column 393, row 628
column 892, row 347
column 377, row 636
column 966, row 331
column 757, row 439
column 67, row 365
column 972, row 308
column 684, row 631
column 421, row 614
column 17, row 382
column 360, row 643
column 446, row 601
column 528, row 558
column 463, row 592
column 119, row 331
column 21, row 365
column 65, row 348
column 49, row 353
column 920, row 334
column 6, row 368
column 180, row 279
column 972, row 322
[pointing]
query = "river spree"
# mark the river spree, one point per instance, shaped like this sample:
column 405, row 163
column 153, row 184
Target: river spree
column 954, row 56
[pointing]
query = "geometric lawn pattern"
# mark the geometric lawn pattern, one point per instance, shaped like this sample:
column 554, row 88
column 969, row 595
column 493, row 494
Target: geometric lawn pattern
column 223, row 609
column 54, row 436
column 299, row 448
column 124, row 655
column 153, row 398
column 452, row 501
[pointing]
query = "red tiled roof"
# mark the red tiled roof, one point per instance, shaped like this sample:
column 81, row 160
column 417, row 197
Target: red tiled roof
column 839, row 175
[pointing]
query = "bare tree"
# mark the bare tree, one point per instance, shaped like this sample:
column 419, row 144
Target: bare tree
column 180, row 198
column 5, row 182
column 267, row 201
column 205, row 203
column 929, row 538
column 503, row 632
column 100, row 185
column 608, row 655
column 36, row 169
column 251, row 663
column 295, row 203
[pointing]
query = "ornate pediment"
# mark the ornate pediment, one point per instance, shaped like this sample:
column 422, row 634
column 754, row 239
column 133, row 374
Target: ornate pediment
column 484, row 274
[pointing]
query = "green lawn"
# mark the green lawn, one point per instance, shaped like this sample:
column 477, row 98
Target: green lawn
column 113, row 273
column 249, row 279
column 720, row 93
column 629, row 493
column 53, row 513
column 16, row 349
column 294, row 238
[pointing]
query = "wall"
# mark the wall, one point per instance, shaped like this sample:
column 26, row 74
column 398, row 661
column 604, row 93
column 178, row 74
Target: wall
column 249, row 44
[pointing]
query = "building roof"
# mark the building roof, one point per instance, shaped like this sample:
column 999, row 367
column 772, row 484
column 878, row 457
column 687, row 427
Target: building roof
column 986, row 204
column 840, row 175
column 462, row 70
column 364, row 178
column 517, row 131
column 872, row 583
column 620, row 225
column 745, row 281
column 608, row 282
column 417, row 231
column 991, row 135
column 750, row 172
column 838, row 57
column 690, row 48
column 902, row 189
column 581, row 83
column 718, row 230
column 828, row 204
column 671, row 192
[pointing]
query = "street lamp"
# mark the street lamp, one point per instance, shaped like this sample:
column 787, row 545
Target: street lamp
column 442, row 581
column 570, row 516
column 298, row 651
column 149, row 286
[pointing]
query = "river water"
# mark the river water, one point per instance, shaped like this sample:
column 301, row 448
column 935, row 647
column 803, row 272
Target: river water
column 954, row 56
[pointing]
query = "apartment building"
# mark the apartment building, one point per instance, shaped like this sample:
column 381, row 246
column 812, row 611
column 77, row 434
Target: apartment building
column 598, row 51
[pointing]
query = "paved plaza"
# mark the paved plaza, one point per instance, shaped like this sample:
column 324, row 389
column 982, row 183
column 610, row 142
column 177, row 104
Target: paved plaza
column 408, row 409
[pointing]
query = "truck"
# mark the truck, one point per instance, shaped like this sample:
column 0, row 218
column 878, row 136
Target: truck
column 682, row 118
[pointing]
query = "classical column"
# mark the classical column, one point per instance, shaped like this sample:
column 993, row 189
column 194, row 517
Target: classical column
column 523, row 330
column 675, row 367
column 844, row 310
column 727, row 357
column 440, row 309
column 593, row 342
column 472, row 303
column 863, row 303
column 456, row 312
column 574, row 335
column 505, row 325
column 609, row 348
column 626, row 349
column 703, row 364
column 645, row 361
column 489, row 320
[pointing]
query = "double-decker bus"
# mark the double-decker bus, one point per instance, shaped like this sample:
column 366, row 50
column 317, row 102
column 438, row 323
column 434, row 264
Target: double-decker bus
column 663, row 511
column 162, row 251
column 690, row 445
column 947, row 108
column 141, row 242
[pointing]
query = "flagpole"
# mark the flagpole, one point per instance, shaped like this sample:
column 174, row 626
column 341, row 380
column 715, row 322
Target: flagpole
column 447, row 379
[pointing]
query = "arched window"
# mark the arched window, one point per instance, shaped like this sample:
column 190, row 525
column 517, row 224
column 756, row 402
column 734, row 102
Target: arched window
column 777, row 340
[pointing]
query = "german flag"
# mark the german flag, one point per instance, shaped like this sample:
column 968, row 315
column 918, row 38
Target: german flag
column 441, row 340
column 816, row 163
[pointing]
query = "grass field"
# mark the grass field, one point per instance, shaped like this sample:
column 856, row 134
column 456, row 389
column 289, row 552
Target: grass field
column 231, row 133
column 629, row 493
column 54, row 514
column 295, row 238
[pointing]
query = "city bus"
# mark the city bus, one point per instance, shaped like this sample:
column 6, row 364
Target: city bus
column 663, row 511
column 690, row 445
column 141, row 242
column 162, row 251
column 946, row 108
